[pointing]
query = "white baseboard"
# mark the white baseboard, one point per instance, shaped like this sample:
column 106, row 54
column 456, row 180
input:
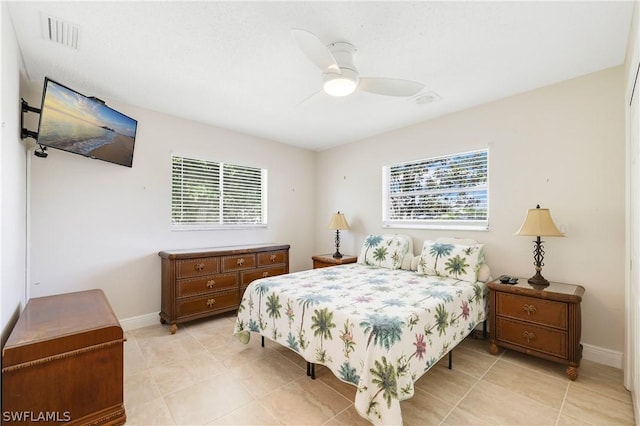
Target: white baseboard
column 602, row 355
column 140, row 321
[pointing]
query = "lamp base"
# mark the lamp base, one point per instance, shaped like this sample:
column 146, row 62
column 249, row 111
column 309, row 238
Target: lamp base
column 337, row 254
column 538, row 280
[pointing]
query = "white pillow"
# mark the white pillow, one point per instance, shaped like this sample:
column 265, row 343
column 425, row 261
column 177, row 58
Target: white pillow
column 457, row 261
column 414, row 263
column 484, row 273
column 385, row 250
column 406, row 262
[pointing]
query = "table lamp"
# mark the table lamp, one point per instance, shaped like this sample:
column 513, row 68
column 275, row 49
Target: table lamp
column 538, row 223
column 338, row 222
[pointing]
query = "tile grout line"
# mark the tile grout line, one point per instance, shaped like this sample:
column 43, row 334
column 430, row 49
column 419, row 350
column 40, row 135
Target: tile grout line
column 259, row 401
column 471, row 388
column 566, row 392
column 164, row 401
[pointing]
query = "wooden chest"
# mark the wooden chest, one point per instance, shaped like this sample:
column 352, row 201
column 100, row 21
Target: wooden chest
column 544, row 322
column 63, row 362
column 203, row 282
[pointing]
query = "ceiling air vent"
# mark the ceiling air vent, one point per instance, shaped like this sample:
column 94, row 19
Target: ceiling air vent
column 426, row 98
column 61, row 32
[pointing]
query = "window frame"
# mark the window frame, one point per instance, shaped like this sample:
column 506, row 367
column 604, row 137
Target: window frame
column 442, row 224
column 220, row 222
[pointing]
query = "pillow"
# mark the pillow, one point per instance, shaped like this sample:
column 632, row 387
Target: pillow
column 386, row 250
column 457, row 261
column 406, row 262
column 414, row 263
column 484, row 273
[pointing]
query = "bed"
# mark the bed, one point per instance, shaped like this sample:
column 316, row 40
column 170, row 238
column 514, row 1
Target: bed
column 373, row 324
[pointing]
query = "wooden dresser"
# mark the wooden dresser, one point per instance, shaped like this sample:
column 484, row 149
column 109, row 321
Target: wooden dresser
column 203, row 282
column 63, row 362
column 543, row 322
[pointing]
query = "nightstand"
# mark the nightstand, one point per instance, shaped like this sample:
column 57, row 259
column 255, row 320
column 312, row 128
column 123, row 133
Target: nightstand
column 324, row 260
column 543, row 322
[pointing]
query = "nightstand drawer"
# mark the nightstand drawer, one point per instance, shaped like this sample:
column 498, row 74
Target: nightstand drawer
column 539, row 311
column 533, row 337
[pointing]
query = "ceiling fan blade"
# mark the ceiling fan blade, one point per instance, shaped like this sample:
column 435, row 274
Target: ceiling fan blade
column 311, row 98
column 315, row 50
column 390, row 86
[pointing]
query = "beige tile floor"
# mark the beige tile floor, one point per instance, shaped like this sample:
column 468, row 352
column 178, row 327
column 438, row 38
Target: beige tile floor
column 203, row 376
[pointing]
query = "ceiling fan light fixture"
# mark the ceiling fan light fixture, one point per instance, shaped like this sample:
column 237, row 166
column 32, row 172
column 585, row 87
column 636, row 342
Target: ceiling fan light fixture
column 342, row 84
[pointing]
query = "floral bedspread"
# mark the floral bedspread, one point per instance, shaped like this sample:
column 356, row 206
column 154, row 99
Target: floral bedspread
column 378, row 329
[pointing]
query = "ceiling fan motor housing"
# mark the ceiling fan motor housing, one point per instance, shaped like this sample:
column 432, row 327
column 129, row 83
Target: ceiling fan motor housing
column 345, row 81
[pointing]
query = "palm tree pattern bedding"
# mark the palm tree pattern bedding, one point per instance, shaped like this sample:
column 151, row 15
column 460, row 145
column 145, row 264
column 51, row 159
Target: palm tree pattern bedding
column 378, row 329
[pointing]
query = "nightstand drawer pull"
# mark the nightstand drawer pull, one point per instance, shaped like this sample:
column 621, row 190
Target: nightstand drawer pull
column 240, row 262
column 211, row 302
column 529, row 336
column 265, row 274
column 272, row 258
column 198, row 266
column 211, row 283
column 529, row 309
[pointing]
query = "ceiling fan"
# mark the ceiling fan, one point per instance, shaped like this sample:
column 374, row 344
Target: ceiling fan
column 340, row 76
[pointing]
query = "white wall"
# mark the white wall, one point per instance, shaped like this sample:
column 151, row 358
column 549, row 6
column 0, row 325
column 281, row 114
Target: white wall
column 12, row 181
column 100, row 225
column 561, row 146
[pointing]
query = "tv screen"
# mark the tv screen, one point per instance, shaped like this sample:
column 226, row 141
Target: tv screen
column 83, row 125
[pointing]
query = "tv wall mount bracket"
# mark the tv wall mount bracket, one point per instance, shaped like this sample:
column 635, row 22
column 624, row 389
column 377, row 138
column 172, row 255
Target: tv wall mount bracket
column 25, row 133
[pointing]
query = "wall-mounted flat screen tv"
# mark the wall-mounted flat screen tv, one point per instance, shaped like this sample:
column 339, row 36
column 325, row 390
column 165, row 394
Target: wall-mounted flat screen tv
column 83, row 125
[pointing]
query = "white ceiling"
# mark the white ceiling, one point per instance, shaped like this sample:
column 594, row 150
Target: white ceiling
column 235, row 65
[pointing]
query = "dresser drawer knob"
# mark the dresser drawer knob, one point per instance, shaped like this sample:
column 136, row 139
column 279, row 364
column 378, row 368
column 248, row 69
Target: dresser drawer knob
column 265, row 274
column 529, row 336
column 211, row 302
column 199, row 266
column 211, row 283
column 240, row 261
column 529, row 309
column 272, row 258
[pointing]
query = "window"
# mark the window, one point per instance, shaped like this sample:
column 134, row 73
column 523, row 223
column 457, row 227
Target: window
column 206, row 194
column 448, row 192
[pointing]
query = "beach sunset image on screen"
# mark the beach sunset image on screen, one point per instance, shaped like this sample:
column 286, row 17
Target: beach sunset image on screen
column 73, row 122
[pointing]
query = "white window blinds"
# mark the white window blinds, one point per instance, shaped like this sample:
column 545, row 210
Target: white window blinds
column 206, row 194
column 444, row 192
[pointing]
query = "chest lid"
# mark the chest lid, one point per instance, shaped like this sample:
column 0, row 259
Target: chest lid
column 61, row 324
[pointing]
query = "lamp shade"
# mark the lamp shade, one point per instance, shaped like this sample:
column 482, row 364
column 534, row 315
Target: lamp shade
column 338, row 222
column 538, row 223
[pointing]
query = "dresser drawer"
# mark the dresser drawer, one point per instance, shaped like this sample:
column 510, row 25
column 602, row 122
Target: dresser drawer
column 272, row 258
column 208, row 303
column 239, row 262
column 249, row 276
column 207, row 284
column 543, row 339
column 194, row 267
column 539, row 311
